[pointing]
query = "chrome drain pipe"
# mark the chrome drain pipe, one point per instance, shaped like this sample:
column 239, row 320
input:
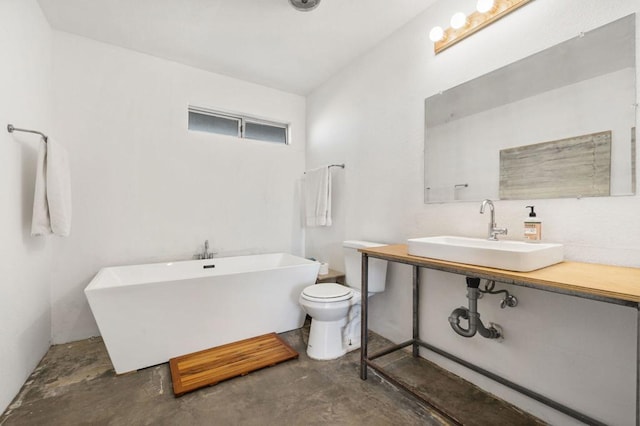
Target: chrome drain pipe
column 472, row 315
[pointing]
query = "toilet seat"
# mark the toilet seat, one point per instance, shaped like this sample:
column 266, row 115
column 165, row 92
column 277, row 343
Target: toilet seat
column 327, row 292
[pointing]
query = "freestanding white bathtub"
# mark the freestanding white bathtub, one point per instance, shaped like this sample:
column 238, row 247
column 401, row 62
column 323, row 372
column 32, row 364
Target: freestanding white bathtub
column 148, row 314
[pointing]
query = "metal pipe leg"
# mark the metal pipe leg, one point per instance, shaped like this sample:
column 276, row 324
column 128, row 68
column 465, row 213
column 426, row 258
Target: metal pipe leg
column 416, row 314
column 364, row 317
column 638, row 367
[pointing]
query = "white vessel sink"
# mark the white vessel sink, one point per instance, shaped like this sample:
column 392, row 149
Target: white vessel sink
column 510, row 255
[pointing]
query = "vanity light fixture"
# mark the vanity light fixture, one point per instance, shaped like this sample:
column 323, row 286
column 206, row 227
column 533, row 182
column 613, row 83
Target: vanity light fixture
column 462, row 26
column 484, row 6
column 458, row 20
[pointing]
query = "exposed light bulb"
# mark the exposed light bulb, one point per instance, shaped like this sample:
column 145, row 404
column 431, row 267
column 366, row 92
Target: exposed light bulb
column 436, row 34
column 484, row 6
column 458, row 20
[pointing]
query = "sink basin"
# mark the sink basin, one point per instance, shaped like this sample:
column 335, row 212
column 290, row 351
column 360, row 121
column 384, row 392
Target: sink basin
column 510, row 255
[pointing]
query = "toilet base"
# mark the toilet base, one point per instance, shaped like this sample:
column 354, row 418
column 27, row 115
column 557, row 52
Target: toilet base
column 333, row 339
column 325, row 339
column 351, row 334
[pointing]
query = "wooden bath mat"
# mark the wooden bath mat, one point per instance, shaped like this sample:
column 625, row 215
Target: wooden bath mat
column 208, row 367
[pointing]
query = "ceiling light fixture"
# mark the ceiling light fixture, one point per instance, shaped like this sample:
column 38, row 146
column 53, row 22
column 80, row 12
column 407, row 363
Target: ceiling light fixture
column 304, row 5
column 462, row 26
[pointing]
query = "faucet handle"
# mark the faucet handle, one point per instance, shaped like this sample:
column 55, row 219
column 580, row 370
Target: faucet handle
column 498, row 231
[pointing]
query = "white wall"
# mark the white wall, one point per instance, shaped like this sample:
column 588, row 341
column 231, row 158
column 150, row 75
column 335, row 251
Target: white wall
column 25, row 101
column 370, row 116
column 145, row 189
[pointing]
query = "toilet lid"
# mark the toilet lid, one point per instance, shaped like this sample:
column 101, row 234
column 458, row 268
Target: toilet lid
column 330, row 292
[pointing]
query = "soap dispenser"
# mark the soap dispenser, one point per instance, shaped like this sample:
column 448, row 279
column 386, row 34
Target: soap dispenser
column 532, row 226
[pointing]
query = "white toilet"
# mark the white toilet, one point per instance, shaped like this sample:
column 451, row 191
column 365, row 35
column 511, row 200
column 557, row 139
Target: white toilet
column 335, row 308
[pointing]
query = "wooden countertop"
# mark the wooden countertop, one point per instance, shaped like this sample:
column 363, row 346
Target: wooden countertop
column 602, row 281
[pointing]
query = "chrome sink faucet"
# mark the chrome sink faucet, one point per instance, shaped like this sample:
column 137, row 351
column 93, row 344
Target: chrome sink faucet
column 494, row 231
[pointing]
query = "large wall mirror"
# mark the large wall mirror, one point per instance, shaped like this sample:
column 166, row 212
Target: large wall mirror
column 560, row 123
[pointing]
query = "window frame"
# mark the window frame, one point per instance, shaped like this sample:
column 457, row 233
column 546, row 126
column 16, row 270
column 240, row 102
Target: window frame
column 242, row 120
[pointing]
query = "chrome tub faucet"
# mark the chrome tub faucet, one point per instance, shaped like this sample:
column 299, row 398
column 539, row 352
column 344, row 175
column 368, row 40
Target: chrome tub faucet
column 206, row 254
column 494, row 231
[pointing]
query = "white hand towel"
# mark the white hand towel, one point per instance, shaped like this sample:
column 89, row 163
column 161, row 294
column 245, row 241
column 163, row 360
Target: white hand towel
column 317, row 197
column 40, row 223
column 52, row 198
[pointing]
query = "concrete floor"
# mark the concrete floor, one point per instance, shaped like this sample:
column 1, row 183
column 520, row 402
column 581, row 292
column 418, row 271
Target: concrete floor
column 75, row 384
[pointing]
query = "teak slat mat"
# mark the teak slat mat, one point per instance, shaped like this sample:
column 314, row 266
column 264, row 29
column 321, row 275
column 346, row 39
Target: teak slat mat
column 210, row 366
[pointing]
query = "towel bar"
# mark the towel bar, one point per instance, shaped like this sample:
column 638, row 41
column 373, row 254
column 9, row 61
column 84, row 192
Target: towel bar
column 11, row 129
column 333, row 165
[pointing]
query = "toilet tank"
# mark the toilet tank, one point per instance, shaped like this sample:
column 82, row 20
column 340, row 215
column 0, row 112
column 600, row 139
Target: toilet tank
column 353, row 266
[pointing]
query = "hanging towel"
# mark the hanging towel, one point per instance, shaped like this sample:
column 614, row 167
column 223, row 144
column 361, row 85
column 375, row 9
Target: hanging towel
column 52, row 197
column 317, row 197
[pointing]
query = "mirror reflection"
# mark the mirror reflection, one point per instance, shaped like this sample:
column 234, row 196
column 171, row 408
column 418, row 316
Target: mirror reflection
column 560, row 123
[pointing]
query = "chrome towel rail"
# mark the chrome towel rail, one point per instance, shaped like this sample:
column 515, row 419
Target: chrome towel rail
column 11, row 129
column 334, row 165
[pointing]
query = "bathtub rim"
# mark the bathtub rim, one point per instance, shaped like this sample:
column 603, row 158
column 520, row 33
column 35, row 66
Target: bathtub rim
column 97, row 283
